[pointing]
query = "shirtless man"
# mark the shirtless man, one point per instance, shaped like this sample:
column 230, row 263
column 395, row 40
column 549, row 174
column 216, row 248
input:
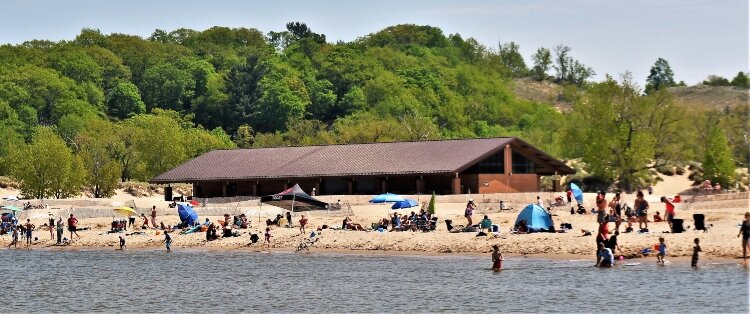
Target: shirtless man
column 497, row 258
column 153, row 216
column 29, row 227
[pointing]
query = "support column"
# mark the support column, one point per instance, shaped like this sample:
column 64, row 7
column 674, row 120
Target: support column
column 255, row 188
column 317, row 187
column 456, row 185
column 286, row 185
column 350, row 186
column 507, row 160
column 384, row 185
column 224, row 189
column 420, row 185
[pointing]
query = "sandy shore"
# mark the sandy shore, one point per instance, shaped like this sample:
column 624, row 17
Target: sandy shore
column 720, row 242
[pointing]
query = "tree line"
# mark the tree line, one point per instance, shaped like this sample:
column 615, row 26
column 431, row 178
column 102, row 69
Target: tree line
column 99, row 109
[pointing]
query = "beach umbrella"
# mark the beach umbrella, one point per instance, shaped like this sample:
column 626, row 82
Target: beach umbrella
column 386, row 198
column 126, row 211
column 10, row 198
column 12, row 208
column 405, row 204
column 577, row 193
column 431, row 207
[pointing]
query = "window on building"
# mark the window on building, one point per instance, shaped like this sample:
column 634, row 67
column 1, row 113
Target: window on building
column 492, row 164
column 521, row 164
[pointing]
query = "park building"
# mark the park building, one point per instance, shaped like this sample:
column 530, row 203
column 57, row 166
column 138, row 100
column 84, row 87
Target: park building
column 485, row 165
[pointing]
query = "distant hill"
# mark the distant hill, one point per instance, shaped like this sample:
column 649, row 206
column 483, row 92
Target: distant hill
column 698, row 97
column 710, row 97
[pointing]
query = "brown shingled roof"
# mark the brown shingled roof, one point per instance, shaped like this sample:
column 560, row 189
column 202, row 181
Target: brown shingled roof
column 425, row 157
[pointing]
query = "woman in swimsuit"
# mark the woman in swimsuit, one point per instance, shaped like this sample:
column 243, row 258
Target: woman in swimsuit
column 497, row 258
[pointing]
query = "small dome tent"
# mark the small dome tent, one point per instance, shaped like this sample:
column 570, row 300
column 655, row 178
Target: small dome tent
column 536, row 218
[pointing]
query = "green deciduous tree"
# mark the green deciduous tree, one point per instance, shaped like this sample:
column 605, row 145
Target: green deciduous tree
column 542, row 61
column 46, row 167
column 717, row 159
column 125, row 101
column 741, row 80
column 511, row 58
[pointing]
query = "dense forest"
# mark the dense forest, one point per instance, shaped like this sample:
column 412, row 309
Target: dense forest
column 100, row 109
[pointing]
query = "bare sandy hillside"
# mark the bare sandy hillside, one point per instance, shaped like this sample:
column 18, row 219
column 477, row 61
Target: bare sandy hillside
column 710, row 97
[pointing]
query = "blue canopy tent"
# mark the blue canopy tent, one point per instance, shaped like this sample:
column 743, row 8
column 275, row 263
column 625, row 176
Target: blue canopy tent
column 387, row 198
column 577, row 193
column 187, row 214
column 537, row 219
column 405, row 204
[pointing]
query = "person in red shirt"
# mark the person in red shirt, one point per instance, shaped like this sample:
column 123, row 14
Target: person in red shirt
column 670, row 212
column 569, row 194
column 73, row 226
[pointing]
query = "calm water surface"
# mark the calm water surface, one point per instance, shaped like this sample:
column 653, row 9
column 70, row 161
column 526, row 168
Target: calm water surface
column 205, row 281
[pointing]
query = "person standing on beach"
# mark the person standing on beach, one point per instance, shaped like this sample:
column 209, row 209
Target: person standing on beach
column 470, row 206
column 29, row 227
column 616, row 210
column 497, row 258
column 168, row 241
column 745, row 233
column 131, row 221
column 268, row 237
column 14, row 243
column 539, row 201
column 302, row 224
column 153, row 216
column 696, row 250
column 670, row 213
column 601, row 207
column 641, row 210
column 60, row 229
column 73, row 226
column 289, row 218
column 569, row 195
column 51, row 226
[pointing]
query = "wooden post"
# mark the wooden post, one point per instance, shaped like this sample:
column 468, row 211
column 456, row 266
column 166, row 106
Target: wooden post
column 384, row 185
column 420, row 185
column 350, row 186
column 507, row 160
column 224, row 189
column 255, row 188
column 317, row 187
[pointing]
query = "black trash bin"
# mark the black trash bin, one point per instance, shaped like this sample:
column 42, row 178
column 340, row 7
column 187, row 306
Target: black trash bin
column 700, row 221
column 677, row 226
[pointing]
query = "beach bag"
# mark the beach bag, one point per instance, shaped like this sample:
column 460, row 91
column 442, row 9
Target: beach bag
column 628, row 211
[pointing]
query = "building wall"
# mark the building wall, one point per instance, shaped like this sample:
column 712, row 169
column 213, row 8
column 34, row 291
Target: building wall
column 469, row 183
column 501, row 183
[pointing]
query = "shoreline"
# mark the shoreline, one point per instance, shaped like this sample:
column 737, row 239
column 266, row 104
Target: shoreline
column 353, row 252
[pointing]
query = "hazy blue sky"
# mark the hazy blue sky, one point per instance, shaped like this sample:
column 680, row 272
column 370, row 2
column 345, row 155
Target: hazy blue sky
column 698, row 38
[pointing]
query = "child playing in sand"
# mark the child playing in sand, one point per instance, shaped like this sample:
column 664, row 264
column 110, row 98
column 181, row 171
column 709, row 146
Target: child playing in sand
column 122, row 243
column 497, row 258
column 696, row 249
column 662, row 251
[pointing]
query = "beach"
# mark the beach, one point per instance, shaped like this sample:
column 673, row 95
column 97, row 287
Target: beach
column 720, row 242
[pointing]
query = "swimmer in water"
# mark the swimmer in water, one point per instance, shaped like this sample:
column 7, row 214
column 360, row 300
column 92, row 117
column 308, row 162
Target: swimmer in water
column 497, row 258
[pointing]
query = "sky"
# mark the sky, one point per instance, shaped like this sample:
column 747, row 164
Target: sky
column 698, row 38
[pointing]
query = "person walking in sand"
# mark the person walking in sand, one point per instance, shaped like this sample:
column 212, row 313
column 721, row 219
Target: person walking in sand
column 168, row 241
column 302, row 224
column 641, row 210
column 696, row 250
column 73, row 226
column 662, row 251
column 497, row 258
column 153, row 216
column 29, row 228
column 122, row 243
column 745, row 233
column 470, row 207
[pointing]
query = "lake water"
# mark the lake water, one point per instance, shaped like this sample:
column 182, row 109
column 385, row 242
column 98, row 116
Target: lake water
column 210, row 281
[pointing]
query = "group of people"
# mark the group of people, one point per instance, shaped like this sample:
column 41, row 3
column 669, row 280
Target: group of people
column 422, row 221
column 707, row 187
column 26, row 230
